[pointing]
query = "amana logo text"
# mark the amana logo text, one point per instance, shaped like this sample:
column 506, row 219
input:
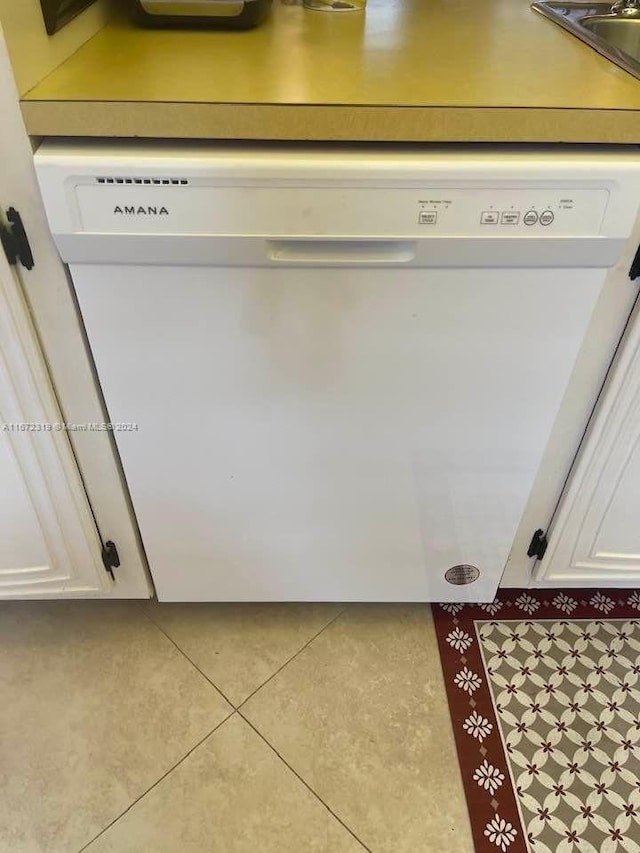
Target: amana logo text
column 141, row 210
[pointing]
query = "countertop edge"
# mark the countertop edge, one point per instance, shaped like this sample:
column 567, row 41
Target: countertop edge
column 330, row 122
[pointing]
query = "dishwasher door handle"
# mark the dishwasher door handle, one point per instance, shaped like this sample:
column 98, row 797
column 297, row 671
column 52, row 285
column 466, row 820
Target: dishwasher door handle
column 341, row 252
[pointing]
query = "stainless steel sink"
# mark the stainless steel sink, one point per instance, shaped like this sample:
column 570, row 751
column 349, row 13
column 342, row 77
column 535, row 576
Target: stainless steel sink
column 612, row 31
column 622, row 33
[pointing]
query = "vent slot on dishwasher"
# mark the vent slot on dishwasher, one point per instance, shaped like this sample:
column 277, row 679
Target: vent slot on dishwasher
column 148, row 181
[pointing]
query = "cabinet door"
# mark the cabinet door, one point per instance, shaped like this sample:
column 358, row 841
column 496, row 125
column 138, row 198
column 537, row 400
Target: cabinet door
column 50, row 515
column 49, row 544
column 595, row 537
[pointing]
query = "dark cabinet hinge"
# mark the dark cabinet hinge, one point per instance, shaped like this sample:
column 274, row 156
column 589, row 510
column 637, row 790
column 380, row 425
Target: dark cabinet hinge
column 634, row 272
column 110, row 557
column 538, row 545
column 14, row 240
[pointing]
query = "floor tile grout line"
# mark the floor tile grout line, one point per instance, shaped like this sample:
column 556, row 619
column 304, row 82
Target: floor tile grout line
column 186, row 656
column 235, row 710
column 301, row 779
column 293, row 657
column 262, row 684
column 158, row 781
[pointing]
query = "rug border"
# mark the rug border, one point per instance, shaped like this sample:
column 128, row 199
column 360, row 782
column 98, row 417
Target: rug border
column 509, row 605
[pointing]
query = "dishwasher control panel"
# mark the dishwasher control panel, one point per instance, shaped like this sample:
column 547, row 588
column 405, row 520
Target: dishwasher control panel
column 504, row 211
column 181, row 205
column 276, row 205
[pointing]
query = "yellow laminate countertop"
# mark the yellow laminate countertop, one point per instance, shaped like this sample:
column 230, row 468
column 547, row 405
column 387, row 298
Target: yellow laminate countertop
column 405, row 70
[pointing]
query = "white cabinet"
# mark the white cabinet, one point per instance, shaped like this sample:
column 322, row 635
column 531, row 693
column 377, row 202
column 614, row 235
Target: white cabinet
column 24, row 551
column 49, row 544
column 61, row 493
column 595, row 537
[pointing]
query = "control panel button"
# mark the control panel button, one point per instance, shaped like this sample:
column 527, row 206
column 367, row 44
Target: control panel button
column 489, row 217
column 546, row 217
column 510, row 217
column 530, row 217
column 428, row 217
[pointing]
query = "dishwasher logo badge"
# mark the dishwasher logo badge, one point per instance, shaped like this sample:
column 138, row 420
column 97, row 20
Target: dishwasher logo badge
column 140, row 210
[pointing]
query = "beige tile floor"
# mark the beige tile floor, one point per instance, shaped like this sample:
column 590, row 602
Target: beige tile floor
column 147, row 728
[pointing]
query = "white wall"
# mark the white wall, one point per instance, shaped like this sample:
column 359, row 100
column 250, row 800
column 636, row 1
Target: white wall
column 33, row 53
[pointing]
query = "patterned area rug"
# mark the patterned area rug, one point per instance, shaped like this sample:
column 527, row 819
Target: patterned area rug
column 544, row 695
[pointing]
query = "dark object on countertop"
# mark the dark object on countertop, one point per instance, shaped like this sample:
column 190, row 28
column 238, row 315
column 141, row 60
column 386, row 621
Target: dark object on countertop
column 57, row 13
column 215, row 14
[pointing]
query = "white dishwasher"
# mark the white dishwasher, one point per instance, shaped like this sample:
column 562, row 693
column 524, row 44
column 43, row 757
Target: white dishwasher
column 341, row 365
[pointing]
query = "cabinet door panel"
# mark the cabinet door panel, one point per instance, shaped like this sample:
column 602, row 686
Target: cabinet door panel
column 618, row 537
column 49, row 544
column 49, row 540
column 595, row 538
column 22, row 540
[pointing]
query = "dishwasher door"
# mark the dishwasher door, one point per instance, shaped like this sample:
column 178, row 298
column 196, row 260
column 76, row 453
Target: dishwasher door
column 342, row 364
column 346, row 433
